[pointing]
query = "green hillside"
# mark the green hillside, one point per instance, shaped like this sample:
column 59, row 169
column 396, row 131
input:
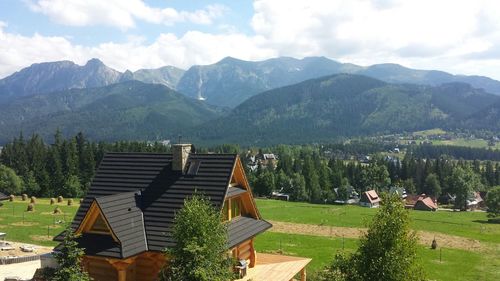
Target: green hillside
column 124, row 111
column 343, row 106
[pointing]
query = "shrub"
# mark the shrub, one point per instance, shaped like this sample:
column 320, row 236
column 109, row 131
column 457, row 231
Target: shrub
column 200, row 252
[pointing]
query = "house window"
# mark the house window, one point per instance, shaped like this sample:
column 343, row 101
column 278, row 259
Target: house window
column 231, row 209
column 99, row 225
column 193, row 168
column 235, row 207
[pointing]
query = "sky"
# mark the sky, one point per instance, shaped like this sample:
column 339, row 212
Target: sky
column 457, row 36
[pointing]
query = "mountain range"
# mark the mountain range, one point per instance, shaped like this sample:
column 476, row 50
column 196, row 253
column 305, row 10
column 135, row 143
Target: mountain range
column 122, row 111
column 227, row 83
column 346, row 105
column 278, row 100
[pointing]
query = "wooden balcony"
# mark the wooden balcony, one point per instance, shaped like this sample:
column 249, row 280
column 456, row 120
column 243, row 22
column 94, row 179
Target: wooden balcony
column 276, row 268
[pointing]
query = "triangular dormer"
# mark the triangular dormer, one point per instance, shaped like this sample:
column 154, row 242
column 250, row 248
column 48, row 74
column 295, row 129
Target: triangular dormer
column 94, row 222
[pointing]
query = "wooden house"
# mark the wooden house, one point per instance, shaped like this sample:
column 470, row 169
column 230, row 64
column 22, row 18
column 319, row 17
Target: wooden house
column 369, row 199
column 425, row 203
column 126, row 219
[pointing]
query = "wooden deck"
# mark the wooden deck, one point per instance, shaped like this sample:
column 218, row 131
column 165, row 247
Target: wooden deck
column 276, row 268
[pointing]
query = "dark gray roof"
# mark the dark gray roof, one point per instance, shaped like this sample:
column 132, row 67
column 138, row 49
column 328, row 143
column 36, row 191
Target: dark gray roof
column 3, row 196
column 124, row 216
column 242, row 228
column 234, row 191
column 162, row 194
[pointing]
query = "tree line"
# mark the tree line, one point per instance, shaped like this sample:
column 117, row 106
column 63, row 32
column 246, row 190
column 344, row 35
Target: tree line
column 307, row 175
column 64, row 167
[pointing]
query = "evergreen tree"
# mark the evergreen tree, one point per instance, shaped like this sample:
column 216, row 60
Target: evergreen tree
column 72, row 187
column 69, row 259
column 31, row 185
column 200, row 253
column 299, row 192
column 54, row 168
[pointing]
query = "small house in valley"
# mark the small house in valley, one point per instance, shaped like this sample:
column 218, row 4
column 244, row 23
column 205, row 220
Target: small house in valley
column 425, row 203
column 369, row 199
column 125, row 221
column 475, row 201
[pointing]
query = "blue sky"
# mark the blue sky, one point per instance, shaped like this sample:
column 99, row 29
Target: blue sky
column 461, row 37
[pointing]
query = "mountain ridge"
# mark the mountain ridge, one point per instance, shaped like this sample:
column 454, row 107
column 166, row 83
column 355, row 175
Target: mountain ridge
column 347, row 105
column 227, row 82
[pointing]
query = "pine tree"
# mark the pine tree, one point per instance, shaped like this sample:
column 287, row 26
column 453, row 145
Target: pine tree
column 69, row 259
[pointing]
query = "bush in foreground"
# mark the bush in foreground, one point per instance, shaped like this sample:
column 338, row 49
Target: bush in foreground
column 200, row 252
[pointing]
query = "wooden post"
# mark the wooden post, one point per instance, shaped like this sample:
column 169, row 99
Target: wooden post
column 121, row 268
column 303, row 274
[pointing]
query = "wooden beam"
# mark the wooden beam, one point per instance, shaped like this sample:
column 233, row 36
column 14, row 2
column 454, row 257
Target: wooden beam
column 121, row 267
column 303, row 274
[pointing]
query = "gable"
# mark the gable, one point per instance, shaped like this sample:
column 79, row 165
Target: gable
column 94, row 222
column 239, row 187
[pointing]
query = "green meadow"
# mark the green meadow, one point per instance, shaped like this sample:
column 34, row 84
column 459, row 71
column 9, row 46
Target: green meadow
column 465, row 224
column 442, row 264
column 446, row 264
column 36, row 227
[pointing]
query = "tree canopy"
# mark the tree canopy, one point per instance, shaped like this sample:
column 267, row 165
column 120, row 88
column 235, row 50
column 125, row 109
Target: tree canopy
column 388, row 250
column 10, row 183
column 200, row 253
column 493, row 202
column 69, row 259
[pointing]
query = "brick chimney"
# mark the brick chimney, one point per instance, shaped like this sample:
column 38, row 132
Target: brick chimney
column 180, row 154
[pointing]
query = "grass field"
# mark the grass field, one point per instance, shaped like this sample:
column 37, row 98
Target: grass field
column 455, row 265
column 40, row 226
column 36, row 227
column 466, row 224
column 477, row 143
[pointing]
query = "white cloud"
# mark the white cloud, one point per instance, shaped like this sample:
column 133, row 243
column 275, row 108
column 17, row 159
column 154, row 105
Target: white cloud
column 418, row 33
column 119, row 13
column 455, row 36
column 194, row 47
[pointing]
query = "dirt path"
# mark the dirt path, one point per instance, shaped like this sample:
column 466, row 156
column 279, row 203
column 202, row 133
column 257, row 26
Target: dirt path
column 425, row 238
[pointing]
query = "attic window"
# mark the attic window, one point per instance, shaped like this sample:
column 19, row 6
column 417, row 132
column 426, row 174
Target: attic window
column 193, row 167
column 99, row 225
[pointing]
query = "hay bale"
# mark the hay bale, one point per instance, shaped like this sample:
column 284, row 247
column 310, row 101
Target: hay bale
column 33, row 200
column 81, row 201
column 31, row 207
column 24, row 197
column 70, row 202
column 52, row 201
column 57, row 210
column 12, row 197
column 60, row 199
column 434, row 244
